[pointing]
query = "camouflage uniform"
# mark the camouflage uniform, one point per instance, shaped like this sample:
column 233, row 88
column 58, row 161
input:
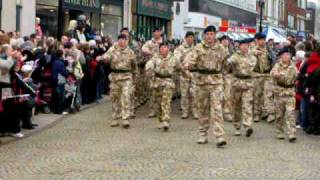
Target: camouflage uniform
column 123, row 64
column 152, row 46
column 285, row 97
column 136, row 77
column 242, row 89
column 163, row 69
column 209, row 61
column 227, row 85
column 188, row 87
column 263, row 92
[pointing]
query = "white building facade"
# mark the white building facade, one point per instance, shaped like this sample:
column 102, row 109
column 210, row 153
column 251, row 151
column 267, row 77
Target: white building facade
column 18, row 15
column 228, row 16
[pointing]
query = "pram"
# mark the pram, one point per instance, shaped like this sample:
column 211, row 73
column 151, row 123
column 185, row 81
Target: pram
column 73, row 97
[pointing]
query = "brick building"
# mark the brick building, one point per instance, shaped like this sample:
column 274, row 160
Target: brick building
column 296, row 17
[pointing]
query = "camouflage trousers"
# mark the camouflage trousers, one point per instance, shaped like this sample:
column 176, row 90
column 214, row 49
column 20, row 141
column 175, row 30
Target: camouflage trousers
column 141, row 88
column 227, row 100
column 121, row 92
column 189, row 94
column 177, row 82
column 263, row 103
column 285, row 114
column 163, row 98
column 210, row 112
column 242, row 103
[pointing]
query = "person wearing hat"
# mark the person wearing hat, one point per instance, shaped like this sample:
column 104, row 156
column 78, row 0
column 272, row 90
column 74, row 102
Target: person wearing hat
column 263, row 96
column 163, row 67
column 242, row 66
column 284, row 74
column 187, row 80
column 209, row 57
column 122, row 61
column 137, row 90
column 227, row 79
column 150, row 49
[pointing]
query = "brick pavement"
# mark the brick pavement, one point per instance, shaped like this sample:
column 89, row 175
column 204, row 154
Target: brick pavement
column 83, row 146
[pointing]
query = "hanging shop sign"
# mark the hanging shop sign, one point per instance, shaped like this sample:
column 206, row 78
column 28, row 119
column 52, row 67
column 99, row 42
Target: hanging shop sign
column 155, row 8
column 238, row 29
column 93, row 5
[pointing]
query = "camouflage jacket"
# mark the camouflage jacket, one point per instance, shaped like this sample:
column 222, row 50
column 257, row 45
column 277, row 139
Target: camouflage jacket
column 163, row 69
column 122, row 62
column 263, row 60
column 209, row 61
column 242, row 66
column 151, row 46
column 180, row 53
column 284, row 83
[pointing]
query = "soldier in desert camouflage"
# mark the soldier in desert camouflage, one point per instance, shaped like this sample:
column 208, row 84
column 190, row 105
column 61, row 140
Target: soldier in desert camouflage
column 163, row 66
column 209, row 57
column 284, row 74
column 242, row 65
column 122, row 61
column 150, row 49
column 188, row 86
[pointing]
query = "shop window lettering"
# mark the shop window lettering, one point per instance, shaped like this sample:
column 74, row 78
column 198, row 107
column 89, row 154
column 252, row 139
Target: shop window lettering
column 88, row 3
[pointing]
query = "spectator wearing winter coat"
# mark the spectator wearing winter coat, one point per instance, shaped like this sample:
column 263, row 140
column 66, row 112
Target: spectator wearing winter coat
column 59, row 74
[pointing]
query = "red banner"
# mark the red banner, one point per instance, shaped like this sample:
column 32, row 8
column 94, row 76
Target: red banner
column 238, row 29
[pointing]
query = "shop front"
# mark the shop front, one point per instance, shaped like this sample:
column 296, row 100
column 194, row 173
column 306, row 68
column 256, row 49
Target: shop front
column 47, row 11
column 111, row 17
column 72, row 9
column 148, row 14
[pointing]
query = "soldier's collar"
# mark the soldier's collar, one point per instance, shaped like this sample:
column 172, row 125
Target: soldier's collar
column 186, row 45
column 282, row 64
column 159, row 41
column 205, row 44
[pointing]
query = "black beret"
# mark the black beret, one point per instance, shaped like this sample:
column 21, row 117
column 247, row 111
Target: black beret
column 245, row 41
column 156, row 29
column 284, row 50
column 189, row 33
column 210, row 29
column 223, row 37
column 122, row 36
column 260, row 36
column 165, row 43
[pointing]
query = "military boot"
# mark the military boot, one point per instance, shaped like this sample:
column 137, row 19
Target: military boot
column 203, row 139
column 237, row 132
column 221, row 142
column 114, row 123
column 292, row 138
column 280, row 136
column 125, row 124
column 165, row 126
column 270, row 118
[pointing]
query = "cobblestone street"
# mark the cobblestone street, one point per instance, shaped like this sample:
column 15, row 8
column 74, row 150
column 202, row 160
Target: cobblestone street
column 83, row 146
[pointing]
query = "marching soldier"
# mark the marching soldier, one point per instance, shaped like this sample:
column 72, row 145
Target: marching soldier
column 150, row 49
column 242, row 65
column 123, row 63
column 227, row 78
column 263, row 93
column 284, row 74
column 188, row 87
column 163, row 67
column 209, row 58
column 133, row 46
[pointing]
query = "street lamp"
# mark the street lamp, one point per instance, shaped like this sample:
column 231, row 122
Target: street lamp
column 261, row 5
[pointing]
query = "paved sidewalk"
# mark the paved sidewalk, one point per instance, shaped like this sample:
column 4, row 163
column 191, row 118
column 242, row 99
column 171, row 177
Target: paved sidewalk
column 45, row 121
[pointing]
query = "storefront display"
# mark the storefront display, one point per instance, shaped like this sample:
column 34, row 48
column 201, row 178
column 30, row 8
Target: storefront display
column 111, row 18
column 151, row 14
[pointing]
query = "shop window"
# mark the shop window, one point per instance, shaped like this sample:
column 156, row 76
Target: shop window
column 49, row 19
column 111, row 20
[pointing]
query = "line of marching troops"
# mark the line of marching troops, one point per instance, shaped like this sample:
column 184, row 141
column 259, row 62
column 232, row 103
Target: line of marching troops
column 216, row 84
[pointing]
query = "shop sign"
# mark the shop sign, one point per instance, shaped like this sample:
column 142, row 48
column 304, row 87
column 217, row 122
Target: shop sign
column 238, row 30
column 92, row 4
column 155, row 8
